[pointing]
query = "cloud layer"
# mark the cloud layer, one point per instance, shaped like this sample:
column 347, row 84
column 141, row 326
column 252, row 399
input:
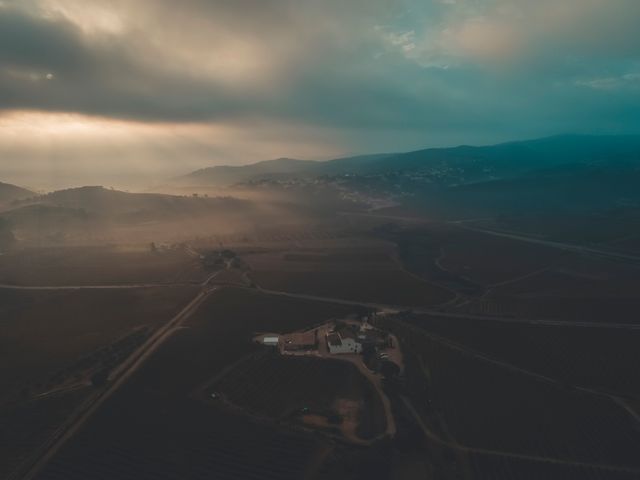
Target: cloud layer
column 208, row 81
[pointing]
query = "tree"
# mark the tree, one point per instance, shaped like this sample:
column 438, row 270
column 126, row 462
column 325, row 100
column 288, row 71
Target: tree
column 339, row 325
column 369, row 355
column 228, row 254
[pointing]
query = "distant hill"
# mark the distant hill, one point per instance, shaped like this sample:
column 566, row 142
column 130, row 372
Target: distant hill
column 280, row 168
column 463, row 164
column 101, row 202
column 97, row 207
column 571, row 173
column 466, row 164
column 9, row 193
column 229, row 175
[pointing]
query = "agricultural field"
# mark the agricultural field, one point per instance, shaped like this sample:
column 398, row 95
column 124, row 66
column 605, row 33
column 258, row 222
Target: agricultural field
column 485, row 406
column 420, row 252
column 196, row 442
column 164, row 417
column 380, row 287
column 578, row 277
column 281, row 387
column 45, row 332
column 629, row 244
column 497, row 467
column 334, row 255
column 452, row 253
column 467, row 261
column 367, row 274
column 333, row 233
column 98, row 266
column 592, row 357
column 51, row 342
column 155, row 425
column 611, row 229
column 25, row 425
column 488, row 260
column 580, row 288
column 504, row 277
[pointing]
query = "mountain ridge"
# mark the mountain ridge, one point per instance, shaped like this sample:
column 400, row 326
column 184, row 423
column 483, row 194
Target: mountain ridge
column 10, row 192
column 482, row 162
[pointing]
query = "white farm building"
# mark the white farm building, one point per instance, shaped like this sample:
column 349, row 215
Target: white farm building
column 271, row 340
column 339, row 344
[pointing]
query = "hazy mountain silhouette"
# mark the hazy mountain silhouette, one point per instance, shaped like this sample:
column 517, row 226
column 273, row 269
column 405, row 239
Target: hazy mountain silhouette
column 99, row 201
column 228, row 175
column 96, row 205
column 9, row 192
column 461, row 164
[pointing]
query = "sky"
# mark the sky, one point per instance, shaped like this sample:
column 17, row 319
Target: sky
column 119, row 92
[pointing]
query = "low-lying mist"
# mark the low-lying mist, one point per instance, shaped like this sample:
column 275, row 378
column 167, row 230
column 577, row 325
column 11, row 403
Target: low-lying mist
column 99, row 216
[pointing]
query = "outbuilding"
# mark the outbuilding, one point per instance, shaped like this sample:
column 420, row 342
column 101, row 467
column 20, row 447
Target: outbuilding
column 271, row 340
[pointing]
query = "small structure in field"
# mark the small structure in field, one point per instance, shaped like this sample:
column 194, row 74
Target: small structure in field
column 271, row 340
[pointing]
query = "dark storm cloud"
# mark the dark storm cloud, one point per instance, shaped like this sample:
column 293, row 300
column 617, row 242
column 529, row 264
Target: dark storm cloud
column 332, row 81
column 100, row 77
column 30, row 42
column 104, row 77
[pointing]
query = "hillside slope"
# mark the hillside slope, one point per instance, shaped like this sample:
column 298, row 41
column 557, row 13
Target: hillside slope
column 9, row 193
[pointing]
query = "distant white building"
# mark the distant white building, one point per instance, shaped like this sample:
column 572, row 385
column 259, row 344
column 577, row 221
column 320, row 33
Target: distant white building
column 338, row 344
